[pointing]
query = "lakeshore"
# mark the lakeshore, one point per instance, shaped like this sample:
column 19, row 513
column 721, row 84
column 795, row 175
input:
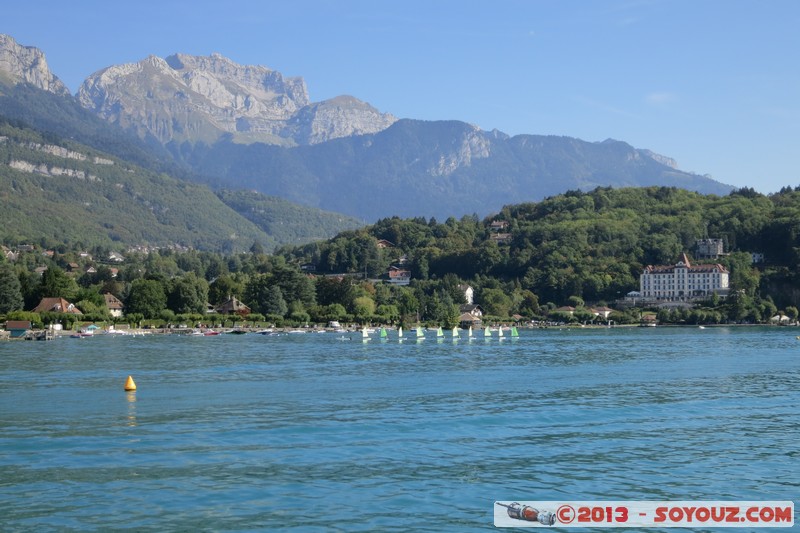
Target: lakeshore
column 48, row 334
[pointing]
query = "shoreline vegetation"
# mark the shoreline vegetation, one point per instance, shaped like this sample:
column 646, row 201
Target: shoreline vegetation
column 576, row 259
column 39, row 334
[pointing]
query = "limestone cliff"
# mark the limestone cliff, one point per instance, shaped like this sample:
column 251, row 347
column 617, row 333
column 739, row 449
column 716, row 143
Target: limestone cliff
column 342, row 116
column 26, row 64
column 192, row 98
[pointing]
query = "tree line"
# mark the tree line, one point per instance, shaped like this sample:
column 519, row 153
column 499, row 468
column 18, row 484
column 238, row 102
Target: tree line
column 580, row 248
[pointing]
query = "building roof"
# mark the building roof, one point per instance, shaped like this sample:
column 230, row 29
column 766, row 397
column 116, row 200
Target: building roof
column 112, row 302
column 232, row 305
column 56, row 305
column 683, row 262
column 395, row 272
column 468, row 317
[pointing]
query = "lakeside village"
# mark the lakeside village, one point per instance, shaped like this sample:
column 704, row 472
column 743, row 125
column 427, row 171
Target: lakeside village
column 662, row 288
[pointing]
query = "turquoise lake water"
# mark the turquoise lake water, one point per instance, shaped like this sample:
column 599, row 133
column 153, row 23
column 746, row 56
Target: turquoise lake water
column 308, row 432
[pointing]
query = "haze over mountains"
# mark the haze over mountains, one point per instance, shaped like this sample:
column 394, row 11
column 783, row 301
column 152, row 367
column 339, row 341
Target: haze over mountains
column 248, row 127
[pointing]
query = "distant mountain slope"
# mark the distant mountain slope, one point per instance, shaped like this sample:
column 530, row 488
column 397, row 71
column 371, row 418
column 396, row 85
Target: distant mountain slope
column 60, row 191
column 284, row 221
column 66, row 192
column 441, row 169
column 64, row 117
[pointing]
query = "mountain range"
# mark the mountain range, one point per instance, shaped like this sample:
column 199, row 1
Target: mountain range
column 238, row 127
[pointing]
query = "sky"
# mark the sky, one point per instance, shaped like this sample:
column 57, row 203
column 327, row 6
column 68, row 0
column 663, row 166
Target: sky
column 713, row 84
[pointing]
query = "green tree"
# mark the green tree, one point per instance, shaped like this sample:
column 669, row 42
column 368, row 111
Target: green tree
column 388, row 313
column 264, row 296
column 364, row 308
column 222, row 288
column 583, row 315
column 257, row 248
column 575, row 301
column 146, row 297
column 743, row 277
column 274, row 304
column 189, row 294
column 529, row 304
column 496, row 302
column 334, row 290
column 56, row 284
column 10, row 290
column 407, row 302
column 295, row 285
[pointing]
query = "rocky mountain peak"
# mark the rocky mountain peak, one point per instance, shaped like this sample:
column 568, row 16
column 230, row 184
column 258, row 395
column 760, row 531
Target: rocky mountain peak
column 341, row 116
column 26, row 64
column 664, row 160
column 201, row 98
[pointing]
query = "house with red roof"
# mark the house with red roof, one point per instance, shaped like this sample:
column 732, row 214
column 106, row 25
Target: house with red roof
column 56, row 305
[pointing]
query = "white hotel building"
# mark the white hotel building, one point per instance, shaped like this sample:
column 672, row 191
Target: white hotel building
column 683, row 281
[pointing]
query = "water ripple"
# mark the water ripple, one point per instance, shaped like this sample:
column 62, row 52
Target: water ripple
column 251, row 433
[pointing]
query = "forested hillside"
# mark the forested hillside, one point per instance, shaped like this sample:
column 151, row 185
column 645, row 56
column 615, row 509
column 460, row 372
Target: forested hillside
column 284, row 221
column 589, row 245
column 57, row 191
column 581, row 249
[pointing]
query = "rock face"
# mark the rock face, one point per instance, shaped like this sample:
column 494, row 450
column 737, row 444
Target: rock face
column 469, row 145
column 191, row 98
column 26, row 64
column 342, row 116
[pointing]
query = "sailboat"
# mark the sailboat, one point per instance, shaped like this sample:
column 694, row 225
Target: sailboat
column 420, row 334
column 456, row 336
column 440, row 334
column 514, row 332
column 469, row 334
column 384, row 335
column 400, row 334
column 364, row 335
column 500, row 332
column 487, row 333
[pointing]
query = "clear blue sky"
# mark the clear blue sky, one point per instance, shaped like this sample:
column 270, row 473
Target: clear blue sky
column 715, row 84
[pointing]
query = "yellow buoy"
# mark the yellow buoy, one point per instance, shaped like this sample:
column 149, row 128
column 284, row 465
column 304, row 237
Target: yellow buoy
column 130, row 385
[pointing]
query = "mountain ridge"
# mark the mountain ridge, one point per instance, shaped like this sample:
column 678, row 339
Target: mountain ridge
column 201, row 98
column 436, row 169
column 249, row 127
column 28, row 64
